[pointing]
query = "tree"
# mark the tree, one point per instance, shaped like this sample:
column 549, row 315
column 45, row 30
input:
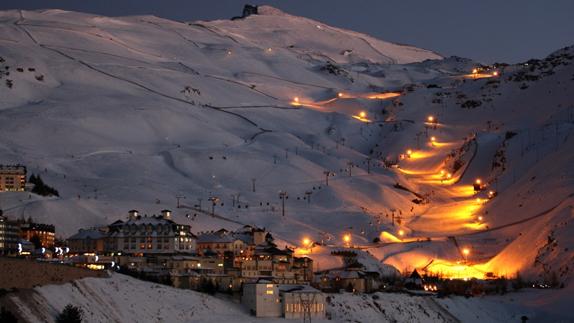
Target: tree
column 41, row 188
column 70, row 314
column 7, row 317
column 207, row 286
column 36, row 241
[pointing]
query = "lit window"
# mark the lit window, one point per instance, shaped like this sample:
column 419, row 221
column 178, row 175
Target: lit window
column 269, row 292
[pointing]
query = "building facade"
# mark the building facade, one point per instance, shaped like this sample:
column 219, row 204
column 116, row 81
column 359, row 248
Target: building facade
column 9, row 236
column 150, row 235
column 88, row 241
column 12, row 178
column 262, row 299
column 267, row 299
column 44, row 233
column 302, row 302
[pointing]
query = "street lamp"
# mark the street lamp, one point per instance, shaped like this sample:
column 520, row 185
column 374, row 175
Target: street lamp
column 477, row 185
column 466, row 252
column 347, row 238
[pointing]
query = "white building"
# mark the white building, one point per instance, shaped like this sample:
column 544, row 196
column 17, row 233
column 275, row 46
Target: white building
column 265, row 299
column 302, row 301
column 150, row 235
column 262, row 299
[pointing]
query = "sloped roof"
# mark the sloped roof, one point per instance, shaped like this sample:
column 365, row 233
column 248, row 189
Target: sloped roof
column 214, row 238
column 298, row 289
column 88, row 234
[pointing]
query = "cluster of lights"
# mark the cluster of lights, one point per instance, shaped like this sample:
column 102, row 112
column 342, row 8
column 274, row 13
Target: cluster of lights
column 430, row 288
column 475, row 72
column 445, row 174
column 478, row 185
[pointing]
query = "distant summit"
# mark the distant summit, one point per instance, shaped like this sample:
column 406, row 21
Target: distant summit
column 248, row 10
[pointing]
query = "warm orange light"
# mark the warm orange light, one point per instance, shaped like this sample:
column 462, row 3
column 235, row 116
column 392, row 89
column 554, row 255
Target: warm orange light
column 466, row 251
column 269, row 49
column 474, row 71
column 478, row 181
column 430, row 118
column 362, row 114
column 401, row 232
column 347, row 238
column 433, row 138
column 340, row 94
column 480, row 218
column 449, row 175
column 442, row 172
column 296, row 99
column 409, row 152
column 495, row 73
column 306, row 241
column 478, row 200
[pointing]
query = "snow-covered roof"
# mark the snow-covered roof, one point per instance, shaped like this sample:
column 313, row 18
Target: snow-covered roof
column 297, row 289
column 153, row 220
column 93, row 234
column 214, row 238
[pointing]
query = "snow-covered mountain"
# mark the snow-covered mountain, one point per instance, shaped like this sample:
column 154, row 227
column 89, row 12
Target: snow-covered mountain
column 130, row 112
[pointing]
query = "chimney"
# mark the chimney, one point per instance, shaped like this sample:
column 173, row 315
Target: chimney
column 133, row 215
column 166, row 214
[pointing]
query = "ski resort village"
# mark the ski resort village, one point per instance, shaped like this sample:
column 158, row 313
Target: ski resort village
column 273, row 168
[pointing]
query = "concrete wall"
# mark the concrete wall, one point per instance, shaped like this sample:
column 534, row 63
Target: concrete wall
column 21, row 273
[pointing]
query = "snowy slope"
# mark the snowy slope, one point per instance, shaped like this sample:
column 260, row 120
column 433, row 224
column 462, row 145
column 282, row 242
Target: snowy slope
column 124, row 299
column 130, row 112
column 272, row 28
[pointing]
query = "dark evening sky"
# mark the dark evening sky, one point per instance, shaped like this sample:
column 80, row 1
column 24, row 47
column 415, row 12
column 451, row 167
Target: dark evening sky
column 485, row 30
